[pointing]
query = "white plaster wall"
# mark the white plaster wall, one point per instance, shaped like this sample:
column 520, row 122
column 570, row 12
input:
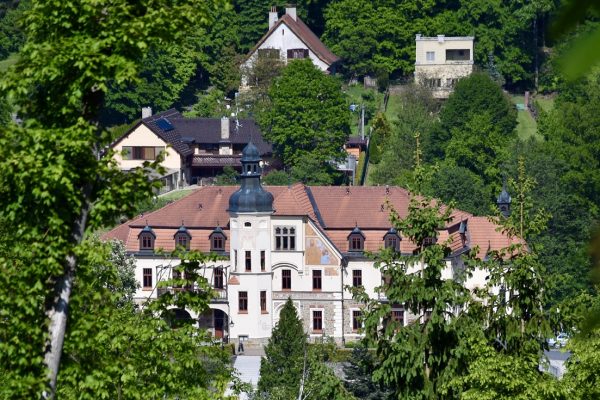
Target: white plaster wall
column 143, row 136
column 254, row 323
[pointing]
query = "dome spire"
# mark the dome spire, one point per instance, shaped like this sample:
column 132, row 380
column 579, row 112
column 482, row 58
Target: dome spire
column 251, row 197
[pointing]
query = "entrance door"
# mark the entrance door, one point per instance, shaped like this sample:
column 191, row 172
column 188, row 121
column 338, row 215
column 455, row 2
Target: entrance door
column 219, row 318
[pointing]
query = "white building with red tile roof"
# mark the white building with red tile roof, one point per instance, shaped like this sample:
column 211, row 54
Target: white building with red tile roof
column 302, row 242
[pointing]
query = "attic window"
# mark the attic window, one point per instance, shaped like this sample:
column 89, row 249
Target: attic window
column 428, row 241
column 392, row 240
column 297, row 53
column 356, row 243
column 182, row 238
column 217, row 240
column 356, row 240
column 146, row 242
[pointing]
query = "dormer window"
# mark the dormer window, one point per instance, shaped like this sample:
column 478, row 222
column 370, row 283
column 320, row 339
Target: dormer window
column 146, row 238
column 429, row 241
column 217, row 240
column 182, row 238
column 356, row 240
column 391, row 240
column 462, row 230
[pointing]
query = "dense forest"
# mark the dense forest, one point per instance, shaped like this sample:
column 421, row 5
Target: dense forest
column 80, row 70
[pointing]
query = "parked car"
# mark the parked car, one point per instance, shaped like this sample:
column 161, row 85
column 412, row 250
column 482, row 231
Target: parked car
column 559, row 341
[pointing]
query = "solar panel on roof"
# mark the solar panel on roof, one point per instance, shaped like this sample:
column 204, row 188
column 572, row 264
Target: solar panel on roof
column 164, row 124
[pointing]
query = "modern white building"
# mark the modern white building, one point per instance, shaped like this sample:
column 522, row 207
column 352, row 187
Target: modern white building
column 299, row 242
column 288, row 38
column 441, row 61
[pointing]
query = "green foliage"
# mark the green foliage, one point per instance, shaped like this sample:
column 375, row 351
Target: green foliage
column 113, row 351
column 167, row 71
column 211, row 104
column 228, row 177
column 281, row 368
column 416, row 107
column 474, row 95
column 11, row 33
column 453, row 183
column 379, row 37
column 515, row 315
column 493, row 375
column 57, row 183
column 308, row 116
column 418, row 359
column 313, row 172
column 359, row 371
column 277, row 178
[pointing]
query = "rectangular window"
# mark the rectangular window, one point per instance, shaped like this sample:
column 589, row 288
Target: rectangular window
column 243, row 302
column 235, row 259
column 248, row 261
column 458, row 55
column 317, row 279
column 147, row 242
column 285, row 238
column 356, row 277
column 398, row 316
column 127, row 153
column 141, row 152
column 297, row 53
column 263, row 260
column 286, row 279
column 356, row 320
column 268, row 53
column 217, row 243
column 356, row 243
column 317, row 321
column 430, row 55
column 218, row 278
column 147, row 278
column 263, row 301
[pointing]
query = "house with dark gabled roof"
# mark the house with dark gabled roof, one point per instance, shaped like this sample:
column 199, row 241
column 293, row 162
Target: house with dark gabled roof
column 194, row 148
column 289, row 38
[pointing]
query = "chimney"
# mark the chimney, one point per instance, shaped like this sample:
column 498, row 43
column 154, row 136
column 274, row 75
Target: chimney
column 224, row 128
column 272, row 17
column 290, row 10
column 146, row 112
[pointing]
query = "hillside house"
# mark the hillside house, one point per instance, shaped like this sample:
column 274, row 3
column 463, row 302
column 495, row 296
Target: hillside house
column 195, row 148
column 441, row 61
column 288, row 38
column 302, row 242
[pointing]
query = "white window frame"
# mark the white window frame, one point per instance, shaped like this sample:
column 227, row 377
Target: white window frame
column 430, row 56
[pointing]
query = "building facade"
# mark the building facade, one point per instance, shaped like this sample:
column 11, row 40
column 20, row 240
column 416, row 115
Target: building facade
column 441, row 61
column 299, row 242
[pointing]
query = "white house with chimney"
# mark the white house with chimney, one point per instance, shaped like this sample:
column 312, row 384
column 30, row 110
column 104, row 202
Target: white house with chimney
column 441, row 61
column 289, row 38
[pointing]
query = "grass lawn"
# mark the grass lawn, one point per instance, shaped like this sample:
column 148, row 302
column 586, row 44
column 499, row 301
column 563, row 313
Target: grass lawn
column 5, row 64
column 526, row 125
column 176, row 194
column 394, row 107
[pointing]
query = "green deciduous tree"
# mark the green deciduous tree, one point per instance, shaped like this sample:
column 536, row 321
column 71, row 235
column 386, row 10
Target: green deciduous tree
column 57, row 183
column 308, row 117
column 416, row 360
